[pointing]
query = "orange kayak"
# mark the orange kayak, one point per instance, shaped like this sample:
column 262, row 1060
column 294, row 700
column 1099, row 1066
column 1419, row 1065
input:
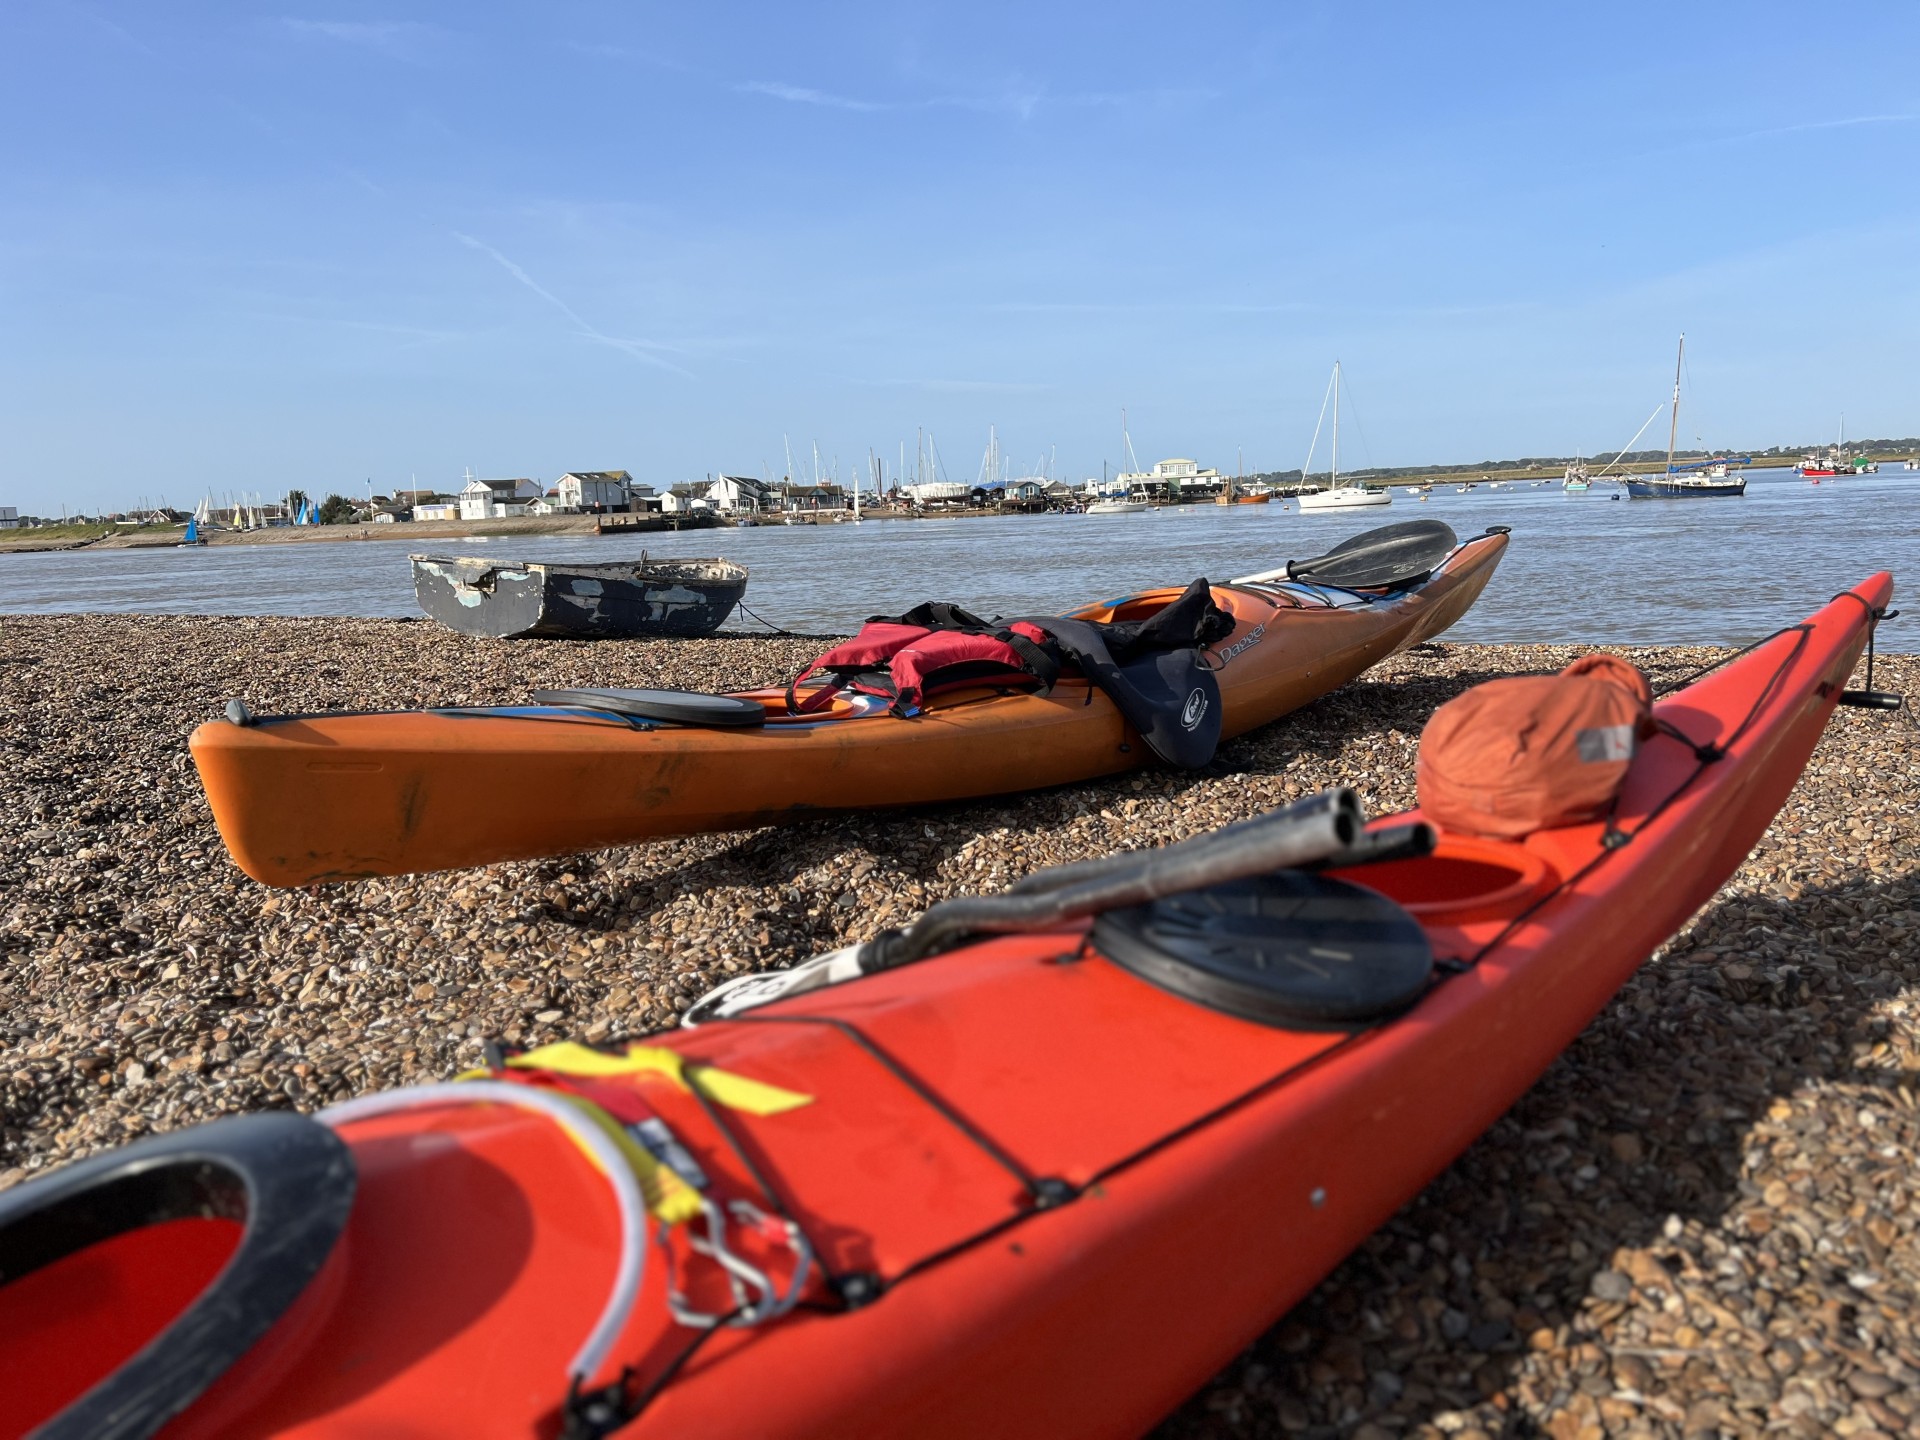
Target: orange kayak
column 307, row 798
column 1036, row 1185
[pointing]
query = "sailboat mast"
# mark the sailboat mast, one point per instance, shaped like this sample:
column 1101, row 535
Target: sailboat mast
column 1673, row 425
column 1334, row 482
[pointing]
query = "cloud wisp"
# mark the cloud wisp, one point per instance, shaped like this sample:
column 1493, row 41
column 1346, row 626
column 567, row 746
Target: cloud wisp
column 396, row 38
column 1154, row 307
column 639, row 349
column 415, row 335
column 801, row 95
column 113, row 28
column 604, row 50
column 1842, row 124
column 959, row 387
column 1016, row 98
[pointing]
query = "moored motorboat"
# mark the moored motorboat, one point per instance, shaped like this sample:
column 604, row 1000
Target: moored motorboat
column 305, row 798
column 507, row 599
column 1153, row 1098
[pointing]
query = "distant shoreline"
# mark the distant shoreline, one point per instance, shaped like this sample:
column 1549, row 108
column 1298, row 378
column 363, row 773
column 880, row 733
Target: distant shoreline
column 47, row 538
column 167, row 537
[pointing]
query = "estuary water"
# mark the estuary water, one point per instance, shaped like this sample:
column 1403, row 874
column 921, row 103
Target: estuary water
column 1592, row 568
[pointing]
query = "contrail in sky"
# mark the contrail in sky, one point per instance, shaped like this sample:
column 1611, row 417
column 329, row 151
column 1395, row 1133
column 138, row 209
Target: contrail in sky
column 638, row 349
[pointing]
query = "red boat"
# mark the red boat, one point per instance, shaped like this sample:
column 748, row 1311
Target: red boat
column 1042, row 1184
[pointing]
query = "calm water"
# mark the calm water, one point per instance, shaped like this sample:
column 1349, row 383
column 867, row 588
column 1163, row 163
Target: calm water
column 1582, row 568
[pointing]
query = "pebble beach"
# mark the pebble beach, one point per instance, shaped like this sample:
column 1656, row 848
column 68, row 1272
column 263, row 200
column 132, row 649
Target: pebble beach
column 1703, row 1220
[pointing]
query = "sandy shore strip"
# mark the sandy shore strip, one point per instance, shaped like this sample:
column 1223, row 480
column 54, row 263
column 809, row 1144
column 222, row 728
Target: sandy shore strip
column 1701, row 1221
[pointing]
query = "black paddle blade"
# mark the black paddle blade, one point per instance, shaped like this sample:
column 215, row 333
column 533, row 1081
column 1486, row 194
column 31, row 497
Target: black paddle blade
column 1385, row 559
column 685, row 707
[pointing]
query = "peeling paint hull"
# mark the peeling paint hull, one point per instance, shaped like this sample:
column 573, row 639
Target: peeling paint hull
column 509, row 600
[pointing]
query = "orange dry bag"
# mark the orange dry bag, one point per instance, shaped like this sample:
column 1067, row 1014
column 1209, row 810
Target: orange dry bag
column 1514, row 756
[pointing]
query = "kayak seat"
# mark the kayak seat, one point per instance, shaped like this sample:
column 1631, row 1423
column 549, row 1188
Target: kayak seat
column 1290, row 949
column 131, row 1281
column 682, row 707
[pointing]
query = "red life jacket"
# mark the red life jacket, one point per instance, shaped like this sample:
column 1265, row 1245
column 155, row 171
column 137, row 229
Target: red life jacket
column 907, row 662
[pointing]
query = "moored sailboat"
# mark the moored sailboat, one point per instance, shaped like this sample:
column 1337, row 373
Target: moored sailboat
column 1683, row 483
column 1336, row 496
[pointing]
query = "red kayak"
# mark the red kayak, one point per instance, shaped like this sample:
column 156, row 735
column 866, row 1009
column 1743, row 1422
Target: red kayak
column 1035, row 1184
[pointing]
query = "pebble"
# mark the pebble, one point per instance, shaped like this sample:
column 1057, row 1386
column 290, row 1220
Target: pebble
column 1702, row 1219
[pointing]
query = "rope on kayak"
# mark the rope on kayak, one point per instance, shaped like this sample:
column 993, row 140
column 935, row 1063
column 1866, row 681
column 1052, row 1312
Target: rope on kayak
column 1041, row 1190
column 630, row 1266
column 804, row 1247
column 1705, row 755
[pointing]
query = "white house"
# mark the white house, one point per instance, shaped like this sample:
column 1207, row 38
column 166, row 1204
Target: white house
column 437, row 510
column 678, row 501
column 594, row 490
column 491, row 499
column 1168, row 479
column 732, row 493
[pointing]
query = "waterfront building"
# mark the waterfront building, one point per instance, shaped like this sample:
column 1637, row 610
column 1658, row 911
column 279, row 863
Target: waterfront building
column 1169, row 481
column 9, row 517
column 732, row 494
column 824, row 496
column 437, row 510
column 492, row 499
column 592, row 490
column 1023, row 494
column 686, row 497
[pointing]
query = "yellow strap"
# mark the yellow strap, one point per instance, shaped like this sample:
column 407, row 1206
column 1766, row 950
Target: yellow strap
column 736, row 1092
column 669, row 1198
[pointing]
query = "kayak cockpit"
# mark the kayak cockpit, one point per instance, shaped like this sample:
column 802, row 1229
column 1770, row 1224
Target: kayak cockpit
column 1145, row 605
column 1466, row 879
column 129, row 1283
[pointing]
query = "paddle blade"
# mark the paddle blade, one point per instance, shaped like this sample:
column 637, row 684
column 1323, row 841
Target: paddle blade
column 1393, row 555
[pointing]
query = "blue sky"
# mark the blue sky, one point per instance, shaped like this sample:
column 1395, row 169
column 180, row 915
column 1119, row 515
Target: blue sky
column 250, row 247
